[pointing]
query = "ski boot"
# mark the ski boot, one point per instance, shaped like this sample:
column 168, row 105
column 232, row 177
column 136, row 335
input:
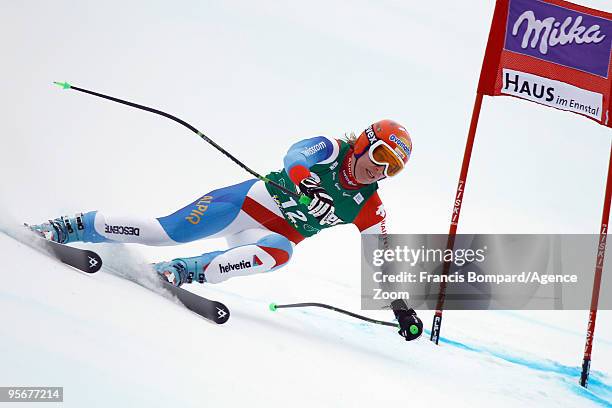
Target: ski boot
column 175, row 271
column 61, row 230
column 185, row 270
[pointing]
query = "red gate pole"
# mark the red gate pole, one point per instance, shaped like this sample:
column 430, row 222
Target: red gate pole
column 467, row 155
column 599, row 262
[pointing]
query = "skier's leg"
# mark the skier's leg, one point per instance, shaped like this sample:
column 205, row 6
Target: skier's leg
column 216, row 212
column 245, row 214
column 96, row 227
column 254, row 251
column 258, row 226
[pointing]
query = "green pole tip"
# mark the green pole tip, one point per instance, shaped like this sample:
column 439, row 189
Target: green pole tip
column 304, row 199
column 272, row 307
column 414, row 329
column 64, row 85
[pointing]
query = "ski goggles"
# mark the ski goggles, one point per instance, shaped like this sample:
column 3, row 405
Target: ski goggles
column 383, row 155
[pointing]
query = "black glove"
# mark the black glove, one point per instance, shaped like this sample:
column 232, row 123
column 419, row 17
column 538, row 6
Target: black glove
column 411, row 327
column 322, row 204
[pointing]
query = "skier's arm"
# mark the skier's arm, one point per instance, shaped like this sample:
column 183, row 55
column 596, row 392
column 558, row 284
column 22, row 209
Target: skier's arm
column 308, row 152
column 298, row 160
column 372, row 220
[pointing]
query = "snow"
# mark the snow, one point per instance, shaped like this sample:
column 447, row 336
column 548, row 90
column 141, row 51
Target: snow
column 111, row 342
column 256, row 77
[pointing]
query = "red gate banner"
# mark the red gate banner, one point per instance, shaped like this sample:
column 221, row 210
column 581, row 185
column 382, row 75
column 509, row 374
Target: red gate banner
column 551, row 52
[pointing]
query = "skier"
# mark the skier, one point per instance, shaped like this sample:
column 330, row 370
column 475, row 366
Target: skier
column 260, row 222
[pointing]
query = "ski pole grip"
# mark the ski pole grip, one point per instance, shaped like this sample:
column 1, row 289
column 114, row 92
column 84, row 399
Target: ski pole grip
column 304, row 199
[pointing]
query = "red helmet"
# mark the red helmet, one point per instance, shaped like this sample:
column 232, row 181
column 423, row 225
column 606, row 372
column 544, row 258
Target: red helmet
column 387, row 143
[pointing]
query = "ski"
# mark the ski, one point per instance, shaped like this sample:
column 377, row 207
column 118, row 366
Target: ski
column 211, row 310
column 90, row 262
column 81, row 259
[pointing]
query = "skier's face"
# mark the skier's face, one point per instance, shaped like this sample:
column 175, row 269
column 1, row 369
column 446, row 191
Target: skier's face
column 367, row 172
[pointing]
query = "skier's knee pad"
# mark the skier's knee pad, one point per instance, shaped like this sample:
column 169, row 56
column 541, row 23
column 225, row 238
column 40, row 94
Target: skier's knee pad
column 277, row 246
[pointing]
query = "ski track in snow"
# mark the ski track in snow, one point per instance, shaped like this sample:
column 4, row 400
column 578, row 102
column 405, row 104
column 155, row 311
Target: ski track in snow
column 599, row 390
